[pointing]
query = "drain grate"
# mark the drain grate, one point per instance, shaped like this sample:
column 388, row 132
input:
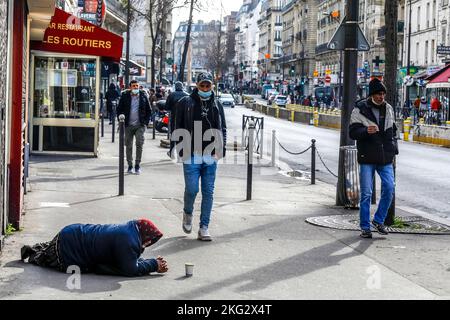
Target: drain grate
column 413, row 225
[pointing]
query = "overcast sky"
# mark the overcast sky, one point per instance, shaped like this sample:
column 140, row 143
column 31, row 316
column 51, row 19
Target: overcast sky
column 212, row 11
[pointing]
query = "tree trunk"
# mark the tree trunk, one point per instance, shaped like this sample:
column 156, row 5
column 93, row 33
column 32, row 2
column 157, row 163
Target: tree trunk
column 162, row 61
column 153, row 66
column 186, row 44
column 391, row 53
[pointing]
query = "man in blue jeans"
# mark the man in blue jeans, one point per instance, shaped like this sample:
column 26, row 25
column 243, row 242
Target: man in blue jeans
column 202, row 119
column 373, row 126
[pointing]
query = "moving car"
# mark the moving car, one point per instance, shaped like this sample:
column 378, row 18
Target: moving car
column 269, row 92
column 227, row 100
column 280, row 100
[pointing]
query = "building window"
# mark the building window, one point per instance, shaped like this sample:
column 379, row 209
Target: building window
column 428, row 15
column 417, row 52
column 434, row 13
column 432, row 51
column 418, row 18
column 426, row 52
column 444, row 36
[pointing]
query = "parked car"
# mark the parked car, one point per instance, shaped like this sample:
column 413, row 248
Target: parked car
column 226, row 100
column 272, row 96
column 280, row 100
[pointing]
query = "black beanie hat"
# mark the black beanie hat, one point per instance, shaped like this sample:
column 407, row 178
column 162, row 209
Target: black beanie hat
column 376, row 86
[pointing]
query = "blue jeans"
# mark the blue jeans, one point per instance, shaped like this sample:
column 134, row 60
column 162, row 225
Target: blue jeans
column 367, row 174
column 197, row 168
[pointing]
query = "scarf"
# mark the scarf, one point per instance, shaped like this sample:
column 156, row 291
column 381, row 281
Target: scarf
column 149, row 232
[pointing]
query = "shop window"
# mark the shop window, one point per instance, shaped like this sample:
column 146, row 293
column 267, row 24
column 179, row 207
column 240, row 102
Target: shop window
column 64, row 88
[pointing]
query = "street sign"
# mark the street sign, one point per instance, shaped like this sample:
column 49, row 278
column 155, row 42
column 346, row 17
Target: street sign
column 327, row 79
column 316, row 74
column 443, row 50
column 328, row 72
column 340, row 41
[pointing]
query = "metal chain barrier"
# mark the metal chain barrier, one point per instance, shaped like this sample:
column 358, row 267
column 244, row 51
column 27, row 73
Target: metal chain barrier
column 321, row 160
column 292, row 153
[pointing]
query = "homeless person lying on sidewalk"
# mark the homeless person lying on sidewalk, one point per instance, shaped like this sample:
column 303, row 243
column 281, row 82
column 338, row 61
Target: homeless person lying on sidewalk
column 101, row 249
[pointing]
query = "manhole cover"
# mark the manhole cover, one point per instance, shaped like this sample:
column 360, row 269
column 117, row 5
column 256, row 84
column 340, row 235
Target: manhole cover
column 412, row 225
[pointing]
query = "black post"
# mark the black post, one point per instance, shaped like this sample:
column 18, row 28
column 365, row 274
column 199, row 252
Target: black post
column 340, row 81
column 350, row 90
column 103, row 124
column 154, row 125
column 122, row 155
column 114, row 124
column 313, row 162
column 251, row 138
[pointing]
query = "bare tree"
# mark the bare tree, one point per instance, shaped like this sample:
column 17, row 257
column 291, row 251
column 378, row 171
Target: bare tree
column 154, row 12
column 391, row 53
column 217, row 58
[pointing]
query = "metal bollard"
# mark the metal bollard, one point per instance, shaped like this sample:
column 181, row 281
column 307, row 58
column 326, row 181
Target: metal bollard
column 154, row 126
column 407, row 124
column 122, row 155
column 313, row 162
column 316, row 118
column 103, row 124
column 261, row 150
column 114, row 127
column 251, row 139
column 274, row 141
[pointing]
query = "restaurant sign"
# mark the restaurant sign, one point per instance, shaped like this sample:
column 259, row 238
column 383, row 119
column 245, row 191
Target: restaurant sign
column 70, row 34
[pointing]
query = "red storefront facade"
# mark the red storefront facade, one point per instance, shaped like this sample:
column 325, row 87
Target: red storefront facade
column 24, row 23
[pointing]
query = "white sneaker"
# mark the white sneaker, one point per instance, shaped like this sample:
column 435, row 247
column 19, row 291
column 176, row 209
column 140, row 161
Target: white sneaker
column 187, row 223
column 203, row 234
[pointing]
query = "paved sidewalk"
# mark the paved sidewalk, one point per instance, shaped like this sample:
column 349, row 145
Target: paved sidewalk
column 262, row 249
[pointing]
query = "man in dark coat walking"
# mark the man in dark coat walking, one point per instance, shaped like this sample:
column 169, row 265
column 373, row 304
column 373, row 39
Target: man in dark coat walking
column 373, row 127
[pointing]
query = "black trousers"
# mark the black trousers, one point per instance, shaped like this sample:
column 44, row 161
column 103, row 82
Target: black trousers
column 44, row 254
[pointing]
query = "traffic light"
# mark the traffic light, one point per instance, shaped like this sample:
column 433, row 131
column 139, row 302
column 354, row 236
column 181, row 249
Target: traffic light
column 242, row 66
column 292, row 70
column 174, row 67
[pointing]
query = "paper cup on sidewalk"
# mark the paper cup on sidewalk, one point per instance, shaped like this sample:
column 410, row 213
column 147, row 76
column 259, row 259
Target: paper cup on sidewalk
column 189, row 269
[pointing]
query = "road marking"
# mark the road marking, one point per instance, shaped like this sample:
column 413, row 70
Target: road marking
column 426, row 215
column 54, row 205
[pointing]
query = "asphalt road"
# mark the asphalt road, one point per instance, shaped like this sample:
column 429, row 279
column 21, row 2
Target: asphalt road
column 423, row 171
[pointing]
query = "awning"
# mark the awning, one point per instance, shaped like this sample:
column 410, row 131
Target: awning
column 136, row 69
column 69, row 34
column 440, row 79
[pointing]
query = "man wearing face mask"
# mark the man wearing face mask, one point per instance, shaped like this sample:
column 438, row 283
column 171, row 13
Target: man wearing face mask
column 134, row 104
column 373, row 126
column 203, row 118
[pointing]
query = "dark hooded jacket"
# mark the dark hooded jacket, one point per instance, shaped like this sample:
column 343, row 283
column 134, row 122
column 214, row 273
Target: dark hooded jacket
column 379, row 148
column 107, row 249
column 175, row 96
